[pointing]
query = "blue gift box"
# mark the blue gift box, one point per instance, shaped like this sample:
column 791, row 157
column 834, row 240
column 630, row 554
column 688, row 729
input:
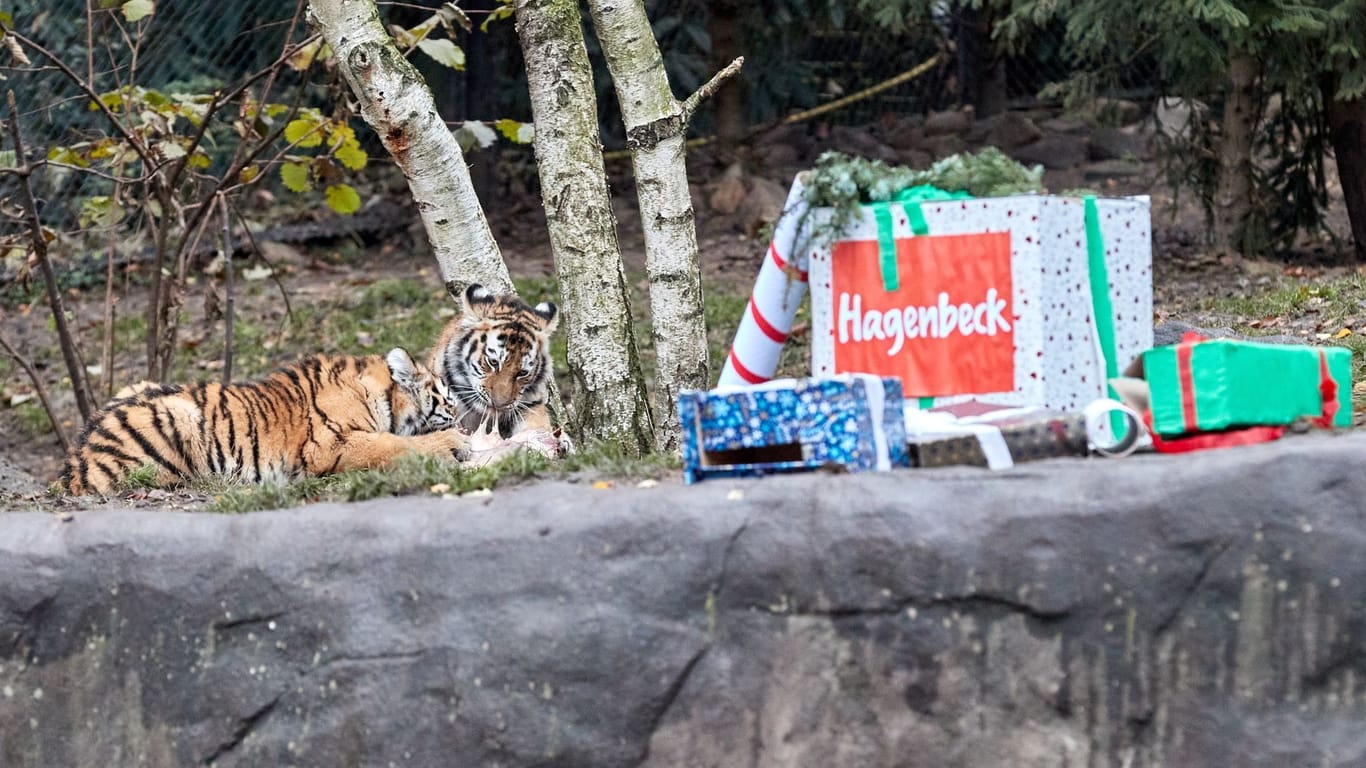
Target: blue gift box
column 790, row 425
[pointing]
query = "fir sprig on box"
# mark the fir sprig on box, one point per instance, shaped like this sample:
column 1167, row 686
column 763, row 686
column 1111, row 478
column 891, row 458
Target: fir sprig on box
column 844, row 183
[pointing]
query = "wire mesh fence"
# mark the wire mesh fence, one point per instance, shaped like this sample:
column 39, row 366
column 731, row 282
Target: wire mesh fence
column 792, row 63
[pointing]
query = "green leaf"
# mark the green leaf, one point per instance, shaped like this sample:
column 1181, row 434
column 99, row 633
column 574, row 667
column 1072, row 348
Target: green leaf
column 450, row 13
column 136, row 10
column 101, row 211
column 306, row 55
column 444, row 52
column 295, row 177
column 68, row 156
column 170, row 150
column 352, row 156
column 303, row 132
column 512, row 130
column 497, row 14
column 474, row 135
column 343, row 199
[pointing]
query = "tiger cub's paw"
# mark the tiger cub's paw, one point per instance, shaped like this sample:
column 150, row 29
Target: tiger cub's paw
column 566, row 445
column 445, row 444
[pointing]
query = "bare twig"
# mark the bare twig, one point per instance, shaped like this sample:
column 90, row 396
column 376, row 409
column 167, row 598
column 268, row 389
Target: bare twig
column 90, row 41
column 38, row 387
column 70, row 353
column 228, row 304
column 274, row 273
column 694, row 101
column 89, row 90
column 107, row 353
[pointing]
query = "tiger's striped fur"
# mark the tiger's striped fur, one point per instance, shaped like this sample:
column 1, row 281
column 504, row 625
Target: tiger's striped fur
column 495, row 357
column 319, row 416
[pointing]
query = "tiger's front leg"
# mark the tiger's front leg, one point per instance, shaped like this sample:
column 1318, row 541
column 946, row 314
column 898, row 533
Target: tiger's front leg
column 374, row 450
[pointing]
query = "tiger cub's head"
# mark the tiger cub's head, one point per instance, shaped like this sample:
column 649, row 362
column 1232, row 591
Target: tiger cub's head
column 495, row 357
column 419, row 401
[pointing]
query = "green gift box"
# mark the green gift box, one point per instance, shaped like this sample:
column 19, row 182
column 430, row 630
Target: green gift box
column 1209, row 385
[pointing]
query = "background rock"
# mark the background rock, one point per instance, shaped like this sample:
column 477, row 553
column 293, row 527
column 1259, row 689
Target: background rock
column 1106, row 143
column 1202, row 610
column 954, row 121
column 1055, row 152
column 1012, row 130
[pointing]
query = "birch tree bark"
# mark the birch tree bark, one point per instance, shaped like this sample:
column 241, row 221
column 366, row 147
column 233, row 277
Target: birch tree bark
column 397, row 103
column 656, row 126
column 610, row 401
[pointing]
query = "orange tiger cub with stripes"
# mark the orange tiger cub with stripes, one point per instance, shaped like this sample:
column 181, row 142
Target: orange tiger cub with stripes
column 495, row 357
column 322, row 415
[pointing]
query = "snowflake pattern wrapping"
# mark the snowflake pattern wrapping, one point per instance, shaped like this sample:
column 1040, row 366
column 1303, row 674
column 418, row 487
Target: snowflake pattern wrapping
column 791, row 425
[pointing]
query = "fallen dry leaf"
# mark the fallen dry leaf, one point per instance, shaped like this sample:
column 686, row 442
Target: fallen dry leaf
column 603, row 485
column 1344, row 333
column 440, row 488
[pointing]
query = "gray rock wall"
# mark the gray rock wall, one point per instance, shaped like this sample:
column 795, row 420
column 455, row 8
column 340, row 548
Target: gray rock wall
column 1207, row 610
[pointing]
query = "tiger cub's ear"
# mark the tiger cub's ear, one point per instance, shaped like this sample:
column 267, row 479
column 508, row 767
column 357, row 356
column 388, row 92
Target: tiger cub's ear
column 549, row 313
column 478, row 300
column 402, row 368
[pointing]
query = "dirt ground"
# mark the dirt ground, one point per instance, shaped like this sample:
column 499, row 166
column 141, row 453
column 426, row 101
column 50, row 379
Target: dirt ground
column 1189, row 285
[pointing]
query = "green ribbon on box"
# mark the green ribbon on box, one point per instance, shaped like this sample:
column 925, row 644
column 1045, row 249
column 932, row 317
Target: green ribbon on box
column 1101, row 307
column 909, row 200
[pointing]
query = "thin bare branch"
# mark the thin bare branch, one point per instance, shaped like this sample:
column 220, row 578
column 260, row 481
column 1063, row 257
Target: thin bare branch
column 274, row 273
column 70, row 353
column 89, row 90
column 39, row 388
column 694, row 101
column 228, row 304
column 107, row 350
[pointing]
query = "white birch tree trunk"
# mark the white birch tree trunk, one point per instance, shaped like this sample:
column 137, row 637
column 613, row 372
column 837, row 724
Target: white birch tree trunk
column 656, row 126
column 654, row 130
column 610, row 400
column 397, row 103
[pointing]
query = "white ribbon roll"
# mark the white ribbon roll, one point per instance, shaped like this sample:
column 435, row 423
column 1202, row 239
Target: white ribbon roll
column 1097, row 416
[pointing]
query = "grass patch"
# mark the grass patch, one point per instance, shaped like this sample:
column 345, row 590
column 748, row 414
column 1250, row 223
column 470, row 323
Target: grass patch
column 1325, row 306
column 144, row 477
column 1334, row 302
column 418, row 474
column 32, row 419
column 411, row 474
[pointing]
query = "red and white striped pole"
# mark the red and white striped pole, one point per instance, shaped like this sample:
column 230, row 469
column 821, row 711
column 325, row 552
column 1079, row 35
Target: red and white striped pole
column 778, row 291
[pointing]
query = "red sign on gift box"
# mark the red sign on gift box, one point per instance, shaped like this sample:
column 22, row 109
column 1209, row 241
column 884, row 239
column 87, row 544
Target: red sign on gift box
column 948, row 326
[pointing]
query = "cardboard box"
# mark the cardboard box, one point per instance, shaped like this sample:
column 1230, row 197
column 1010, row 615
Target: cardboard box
column 996, row 301
column 855, row 422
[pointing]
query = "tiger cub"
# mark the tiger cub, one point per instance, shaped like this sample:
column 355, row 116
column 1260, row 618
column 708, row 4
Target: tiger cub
column 319, row 416
column 495, row 357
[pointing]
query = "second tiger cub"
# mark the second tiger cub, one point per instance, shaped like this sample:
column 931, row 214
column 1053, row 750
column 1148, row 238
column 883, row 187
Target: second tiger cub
column 319, row 416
